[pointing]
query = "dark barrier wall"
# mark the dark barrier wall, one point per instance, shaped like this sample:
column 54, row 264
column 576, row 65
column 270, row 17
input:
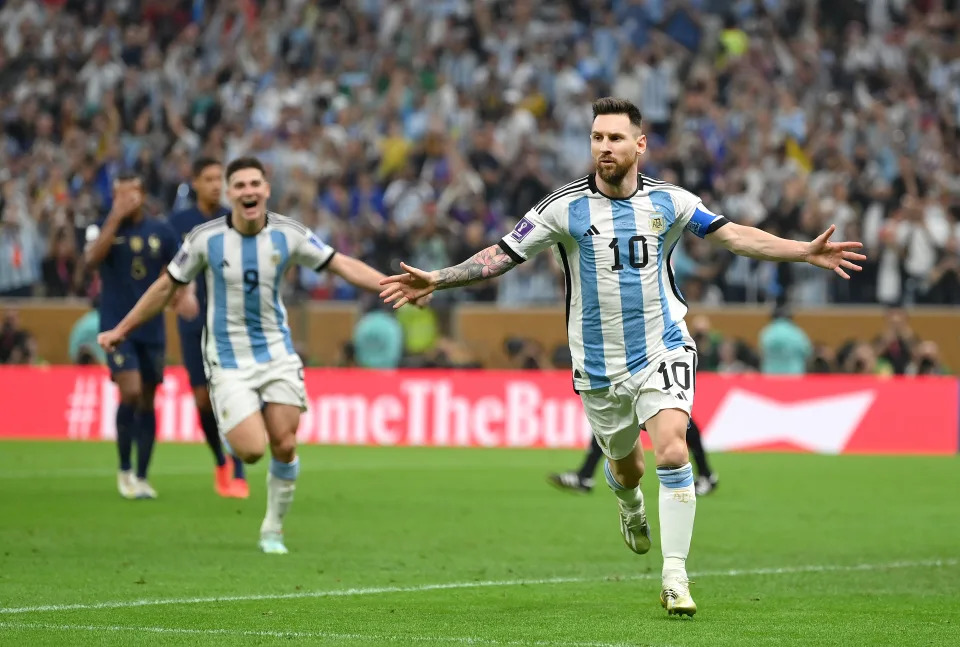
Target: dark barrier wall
column 323, row 328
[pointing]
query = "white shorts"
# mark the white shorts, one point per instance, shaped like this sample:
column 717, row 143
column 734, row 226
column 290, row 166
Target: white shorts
column 617, row 413
column 237, row 393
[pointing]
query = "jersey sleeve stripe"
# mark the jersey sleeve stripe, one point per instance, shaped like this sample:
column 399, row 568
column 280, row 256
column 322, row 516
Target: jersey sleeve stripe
column 514, row 256
column 556, row 196
column 716, row 224
column 323, row 265
column 582, row 182
column 175, row 279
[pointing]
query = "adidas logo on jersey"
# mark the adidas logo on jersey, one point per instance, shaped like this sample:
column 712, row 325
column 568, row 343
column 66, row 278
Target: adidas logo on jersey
column 593, row 231
column 224, row 263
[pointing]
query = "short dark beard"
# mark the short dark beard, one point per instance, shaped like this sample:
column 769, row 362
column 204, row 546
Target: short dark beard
column 614, row 176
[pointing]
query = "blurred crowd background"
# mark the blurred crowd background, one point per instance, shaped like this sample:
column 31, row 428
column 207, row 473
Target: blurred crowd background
column 421, row 130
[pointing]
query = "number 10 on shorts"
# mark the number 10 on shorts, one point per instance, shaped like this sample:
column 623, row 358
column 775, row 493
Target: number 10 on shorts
column 675, row 373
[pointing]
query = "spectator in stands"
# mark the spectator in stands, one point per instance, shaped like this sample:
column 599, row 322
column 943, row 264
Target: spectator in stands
column 927, row 361
column 896, row 343
column 784, row 348
column 17, row 346
column 377, row 341
column 60, row 265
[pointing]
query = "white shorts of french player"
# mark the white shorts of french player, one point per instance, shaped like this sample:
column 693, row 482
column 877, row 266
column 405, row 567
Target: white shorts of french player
column 617, row 412
column 238, row 393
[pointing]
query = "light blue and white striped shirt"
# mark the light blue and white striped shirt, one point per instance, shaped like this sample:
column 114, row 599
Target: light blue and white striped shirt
column 623, row 307
column 246, row 321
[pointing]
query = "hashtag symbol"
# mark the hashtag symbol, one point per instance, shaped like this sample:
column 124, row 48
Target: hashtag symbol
column 82, row 406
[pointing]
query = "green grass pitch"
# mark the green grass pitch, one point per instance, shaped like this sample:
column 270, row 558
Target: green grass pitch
column 395, row 546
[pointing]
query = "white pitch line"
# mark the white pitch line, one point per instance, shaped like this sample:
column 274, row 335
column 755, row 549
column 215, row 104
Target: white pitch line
column 379, row 638
column 786, row 570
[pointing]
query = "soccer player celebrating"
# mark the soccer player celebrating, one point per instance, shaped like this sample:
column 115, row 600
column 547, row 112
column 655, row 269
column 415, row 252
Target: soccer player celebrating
column 581, row 480
column 131, row 251
column 207, row 182
column 248, row 351
column 633, row 359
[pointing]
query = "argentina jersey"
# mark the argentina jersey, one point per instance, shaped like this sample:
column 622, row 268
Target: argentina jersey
column 624, row 309
column 246, row 322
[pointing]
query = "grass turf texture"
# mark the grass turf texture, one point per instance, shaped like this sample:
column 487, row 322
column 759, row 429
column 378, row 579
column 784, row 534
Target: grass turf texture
column 790, row 550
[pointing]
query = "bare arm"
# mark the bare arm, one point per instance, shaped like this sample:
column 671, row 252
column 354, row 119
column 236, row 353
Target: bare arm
column 485, row 264
column 417, row 284
column 100, row 248
column 356, row 272
column 152, row 303
column 756, row 243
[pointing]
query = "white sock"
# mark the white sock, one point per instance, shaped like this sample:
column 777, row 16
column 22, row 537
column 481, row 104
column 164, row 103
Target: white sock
column 281, row 483
column 631, row 497
column 678, row 507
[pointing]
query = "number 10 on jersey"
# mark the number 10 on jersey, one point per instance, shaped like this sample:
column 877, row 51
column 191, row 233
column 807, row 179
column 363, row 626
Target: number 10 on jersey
column 637, row 246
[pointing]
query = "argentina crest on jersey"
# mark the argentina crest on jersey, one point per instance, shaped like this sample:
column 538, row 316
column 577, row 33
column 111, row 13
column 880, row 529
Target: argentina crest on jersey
column 658, row 223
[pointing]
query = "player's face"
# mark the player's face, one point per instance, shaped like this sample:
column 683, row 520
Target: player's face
column 125, row 187
column 248, row 192
column 209, row 184
column 616, row 145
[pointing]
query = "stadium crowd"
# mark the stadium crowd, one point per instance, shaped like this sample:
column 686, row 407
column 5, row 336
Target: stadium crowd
column 407, row 129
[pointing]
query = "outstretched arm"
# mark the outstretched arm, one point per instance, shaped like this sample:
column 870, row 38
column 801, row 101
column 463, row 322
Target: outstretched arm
column 756, row 243
column 152, row 303
column 416, row 284
column 485, row 264
column 355, row 272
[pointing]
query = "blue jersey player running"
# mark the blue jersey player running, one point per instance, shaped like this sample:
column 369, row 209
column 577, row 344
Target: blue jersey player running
column 256, row 376
column 633, row 359
column 207, row 183
column 131, row 251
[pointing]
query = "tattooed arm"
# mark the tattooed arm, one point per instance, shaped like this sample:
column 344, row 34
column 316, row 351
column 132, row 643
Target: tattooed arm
column 416, row 284
column 485, row 264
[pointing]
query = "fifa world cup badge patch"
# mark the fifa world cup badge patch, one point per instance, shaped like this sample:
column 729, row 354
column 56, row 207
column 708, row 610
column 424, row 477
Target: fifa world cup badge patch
column 523, row 228
column 657, row 224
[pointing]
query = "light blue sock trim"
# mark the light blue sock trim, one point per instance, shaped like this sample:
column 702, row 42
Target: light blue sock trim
column 286, row 471
column 676, row 478
column 611, row 479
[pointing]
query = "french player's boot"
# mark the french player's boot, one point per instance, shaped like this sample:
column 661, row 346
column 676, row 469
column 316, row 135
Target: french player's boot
column 144, row 490
column 272, row 543
column 675, row 595
column 706, row 484
column 239, row 489
column 635, row 529
column 127, row 484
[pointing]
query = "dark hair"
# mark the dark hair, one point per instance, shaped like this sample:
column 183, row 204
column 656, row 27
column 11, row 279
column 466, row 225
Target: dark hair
column 201, row 164
column 244, row 162
column 614, row 106
column 127, row 176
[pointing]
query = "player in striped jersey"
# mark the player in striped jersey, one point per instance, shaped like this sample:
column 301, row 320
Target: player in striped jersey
column 248, row 351
column 634, row 363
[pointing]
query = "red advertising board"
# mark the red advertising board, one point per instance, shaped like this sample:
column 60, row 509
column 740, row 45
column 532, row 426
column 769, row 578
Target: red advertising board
column 825, row 414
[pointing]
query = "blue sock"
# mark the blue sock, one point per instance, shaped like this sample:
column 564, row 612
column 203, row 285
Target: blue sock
column 675, row 478
column 126, row 416
column 238, row 471
column 147, row 434
column 208, row 422
column 286, row 471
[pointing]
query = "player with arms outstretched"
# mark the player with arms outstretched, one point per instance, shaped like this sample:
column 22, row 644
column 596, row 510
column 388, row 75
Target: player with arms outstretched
column 633, row 360
column 248, row 351
column 229, row 480
column 130, row 251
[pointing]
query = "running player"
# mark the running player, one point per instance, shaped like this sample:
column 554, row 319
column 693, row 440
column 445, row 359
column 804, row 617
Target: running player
column 633, row 359
column 256, row 377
